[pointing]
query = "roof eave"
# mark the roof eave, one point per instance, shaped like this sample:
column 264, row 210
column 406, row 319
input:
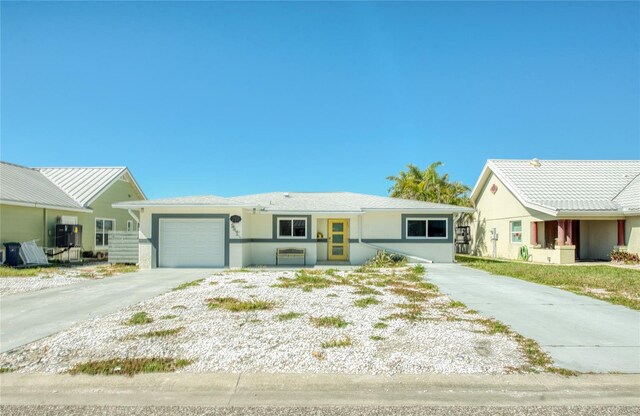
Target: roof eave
column 45, row 206
column 434, row 210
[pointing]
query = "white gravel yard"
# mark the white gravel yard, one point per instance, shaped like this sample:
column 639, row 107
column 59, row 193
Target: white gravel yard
column 46, row 278
column 402, row 326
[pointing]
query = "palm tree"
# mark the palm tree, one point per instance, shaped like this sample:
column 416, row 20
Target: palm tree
column 429, row 185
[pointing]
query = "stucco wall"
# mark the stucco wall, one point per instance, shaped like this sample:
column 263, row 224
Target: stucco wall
column 632, row 233
column 597, row 239
column 252, row 240
column 498, row 211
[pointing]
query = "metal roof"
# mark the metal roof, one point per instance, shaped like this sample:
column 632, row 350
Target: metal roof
column 84, row 185
column 554, row 186
column 20, row 185
column 303, row 202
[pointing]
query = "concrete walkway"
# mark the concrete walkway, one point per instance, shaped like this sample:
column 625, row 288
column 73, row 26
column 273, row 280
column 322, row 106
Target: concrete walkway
column 580, row 333
column 27, row 317
column 261, row 389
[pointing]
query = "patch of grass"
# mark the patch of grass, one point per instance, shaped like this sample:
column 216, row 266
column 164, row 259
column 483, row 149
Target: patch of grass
column 249, row 286
column 332, row 295
column 412, row 295
column 289, row 316
column 163, row 332
column 168, row 316
column 213, row 283
column 130, row 366
column 238, row 281
column 236, row 305
column 337, row 343
column 176, row 307
column 456, row 304
column 380, row 325
column 111, row 269
column 376, row 338
column 364, row 302
column 188, row 285
column 6, row 370
column 426, row 286
column 617, row 285
column 412, row 312
column 365, row 290
column 139, row 318
column 418, row 269
column 307, row 280
column 329, row 322
column 6, row 271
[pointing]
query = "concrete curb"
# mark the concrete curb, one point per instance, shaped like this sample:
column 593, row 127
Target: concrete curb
column 259, row 389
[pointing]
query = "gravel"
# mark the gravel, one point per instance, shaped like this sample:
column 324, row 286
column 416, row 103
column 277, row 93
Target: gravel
column 13, row 285
column 449, row 341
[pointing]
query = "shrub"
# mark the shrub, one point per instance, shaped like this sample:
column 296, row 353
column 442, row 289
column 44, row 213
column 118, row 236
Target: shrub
column 624, row 257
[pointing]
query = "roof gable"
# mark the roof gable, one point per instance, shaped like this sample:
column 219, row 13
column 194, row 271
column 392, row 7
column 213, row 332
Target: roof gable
column 568, row 185
column 84, row 185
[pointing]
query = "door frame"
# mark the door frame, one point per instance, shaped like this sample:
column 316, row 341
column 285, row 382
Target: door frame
column 345, row 241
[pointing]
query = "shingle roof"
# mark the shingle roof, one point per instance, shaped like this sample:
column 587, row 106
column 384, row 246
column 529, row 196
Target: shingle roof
column 303, row 202
column 22, row 185
column 569, row 185
column 84, row 184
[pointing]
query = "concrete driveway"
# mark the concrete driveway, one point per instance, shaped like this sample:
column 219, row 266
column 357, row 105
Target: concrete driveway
column 580, row 333
column 27, row 317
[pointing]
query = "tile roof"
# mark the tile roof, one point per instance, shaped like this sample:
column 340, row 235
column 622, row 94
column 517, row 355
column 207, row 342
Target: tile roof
column 303, row 202
column 569, row 185
column 83, row 184
column 22, row 185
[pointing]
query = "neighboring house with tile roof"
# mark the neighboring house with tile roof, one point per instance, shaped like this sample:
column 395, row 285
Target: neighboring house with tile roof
column 560, row 211
column 290, row 228
column 34, row 200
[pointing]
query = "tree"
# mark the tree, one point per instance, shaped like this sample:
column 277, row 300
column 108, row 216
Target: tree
column 429, row 185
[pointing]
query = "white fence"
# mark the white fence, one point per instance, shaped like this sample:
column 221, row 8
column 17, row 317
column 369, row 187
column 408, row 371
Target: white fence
column 123, row 247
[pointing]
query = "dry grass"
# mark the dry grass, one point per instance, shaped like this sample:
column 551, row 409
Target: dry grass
column 329, row 322
column 337, row 343
column 236, row 305
column 188, row 284
column 130, row 366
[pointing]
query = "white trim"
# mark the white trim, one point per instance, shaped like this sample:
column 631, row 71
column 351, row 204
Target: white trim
column 426, row 228
column 292, row 237
column 35, row 205
column 125, row 171
column 95, row 231
column 511, row 232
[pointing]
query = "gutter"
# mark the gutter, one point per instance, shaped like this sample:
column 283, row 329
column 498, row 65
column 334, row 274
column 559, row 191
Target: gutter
column 45, row 206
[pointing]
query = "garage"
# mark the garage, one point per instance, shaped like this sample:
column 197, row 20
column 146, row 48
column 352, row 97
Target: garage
column 192, row 243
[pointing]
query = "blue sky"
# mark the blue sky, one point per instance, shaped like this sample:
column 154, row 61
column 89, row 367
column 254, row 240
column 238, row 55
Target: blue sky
column 235, row 98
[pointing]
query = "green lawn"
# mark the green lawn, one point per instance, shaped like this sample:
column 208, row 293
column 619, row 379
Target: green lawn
column 612, row 284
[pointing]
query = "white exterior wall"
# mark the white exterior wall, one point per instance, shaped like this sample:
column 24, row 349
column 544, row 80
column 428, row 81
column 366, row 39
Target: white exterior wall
column 632, row 234
column 251, row 241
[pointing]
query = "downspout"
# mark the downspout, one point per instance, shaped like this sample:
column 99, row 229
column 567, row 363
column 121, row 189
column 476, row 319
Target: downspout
column 408, row 256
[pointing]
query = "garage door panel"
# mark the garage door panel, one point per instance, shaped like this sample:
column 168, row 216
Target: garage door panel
column 191, row 243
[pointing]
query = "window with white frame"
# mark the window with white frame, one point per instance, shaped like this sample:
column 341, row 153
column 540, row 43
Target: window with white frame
column 516, row 232
column 292, row 228
column 427, row 227
column 103, row 226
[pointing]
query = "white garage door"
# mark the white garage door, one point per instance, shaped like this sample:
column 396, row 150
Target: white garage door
column 191, row 243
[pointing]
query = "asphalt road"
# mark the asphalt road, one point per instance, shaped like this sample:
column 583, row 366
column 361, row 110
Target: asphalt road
column 321, row 411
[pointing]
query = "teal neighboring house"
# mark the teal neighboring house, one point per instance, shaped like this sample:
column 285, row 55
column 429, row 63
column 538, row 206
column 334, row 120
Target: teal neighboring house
column 34, row 200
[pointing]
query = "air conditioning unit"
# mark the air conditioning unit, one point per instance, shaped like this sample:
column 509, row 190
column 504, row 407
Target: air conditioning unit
column 68, row 235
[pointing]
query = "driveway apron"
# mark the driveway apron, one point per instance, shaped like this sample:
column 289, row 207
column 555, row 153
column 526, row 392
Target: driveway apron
column 580, row 333
column 27, row 317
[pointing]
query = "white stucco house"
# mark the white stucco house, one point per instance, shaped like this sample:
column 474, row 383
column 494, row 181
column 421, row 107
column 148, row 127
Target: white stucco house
column 261, row 229
column 558, row 211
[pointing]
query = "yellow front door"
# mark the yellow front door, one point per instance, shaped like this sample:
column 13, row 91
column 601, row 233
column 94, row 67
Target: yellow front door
column 338, row 239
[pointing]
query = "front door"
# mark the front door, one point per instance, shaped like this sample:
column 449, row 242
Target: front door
column 338, row 239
